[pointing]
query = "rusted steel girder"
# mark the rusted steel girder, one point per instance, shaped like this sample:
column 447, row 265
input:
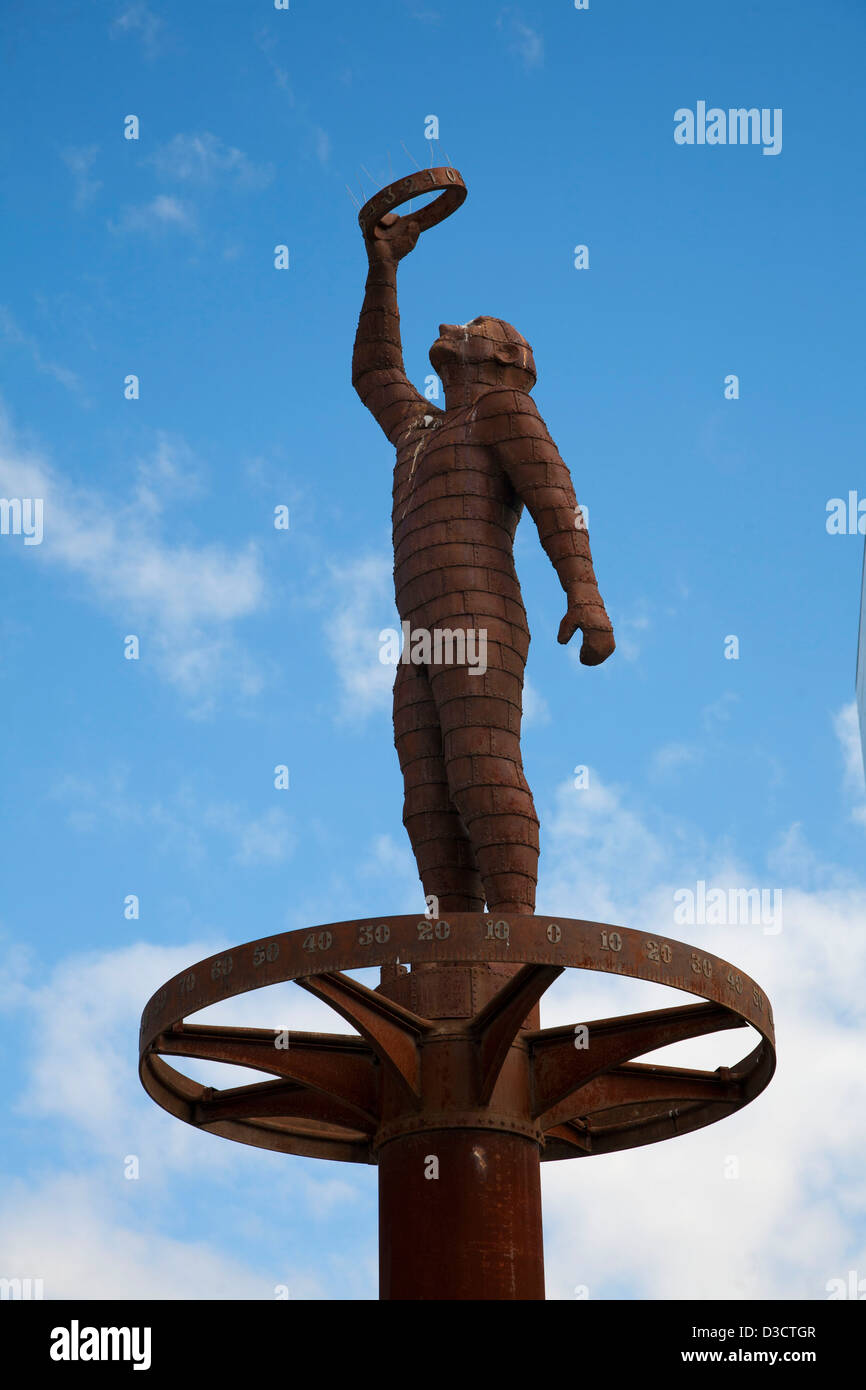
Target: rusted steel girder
column 450, row 1086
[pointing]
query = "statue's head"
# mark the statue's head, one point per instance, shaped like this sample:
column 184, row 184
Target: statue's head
column 488, row 351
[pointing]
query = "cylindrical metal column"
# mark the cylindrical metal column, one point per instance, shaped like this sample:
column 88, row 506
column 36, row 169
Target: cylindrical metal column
column 460, row 1216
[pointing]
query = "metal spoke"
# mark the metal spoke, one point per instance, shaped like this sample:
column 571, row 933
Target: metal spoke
column 498, row 1023
column 390, row 1030
column 279, row 1100
column 560, row 1068
column 334, row 1064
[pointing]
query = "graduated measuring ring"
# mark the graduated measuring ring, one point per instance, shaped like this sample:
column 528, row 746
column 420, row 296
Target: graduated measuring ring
column 413, row 186
column 343, row 1096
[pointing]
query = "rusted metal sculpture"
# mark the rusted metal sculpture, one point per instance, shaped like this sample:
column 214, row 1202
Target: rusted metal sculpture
column 450, row 1085
column 462, row 478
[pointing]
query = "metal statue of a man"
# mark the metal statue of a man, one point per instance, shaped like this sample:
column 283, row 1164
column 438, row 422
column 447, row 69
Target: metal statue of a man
column 461, row 480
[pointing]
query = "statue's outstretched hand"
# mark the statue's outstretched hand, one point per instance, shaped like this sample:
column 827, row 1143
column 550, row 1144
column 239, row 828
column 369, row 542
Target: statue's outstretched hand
column 392, row 238
column 597, row 632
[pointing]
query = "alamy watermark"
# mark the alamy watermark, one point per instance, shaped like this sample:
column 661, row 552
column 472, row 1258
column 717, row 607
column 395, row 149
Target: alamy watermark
column 729, row 907
column 736, row 126
column 443, row 646
column 77, row 1343
column 22, row 516
column 846, row 517
column 23, row 1289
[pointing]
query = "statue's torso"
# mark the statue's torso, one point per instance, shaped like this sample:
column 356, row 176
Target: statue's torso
column 454, row 516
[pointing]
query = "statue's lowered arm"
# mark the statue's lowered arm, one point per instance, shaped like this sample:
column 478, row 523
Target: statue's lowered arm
column 509, row 422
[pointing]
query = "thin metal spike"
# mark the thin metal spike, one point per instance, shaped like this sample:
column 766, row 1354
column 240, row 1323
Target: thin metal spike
column 411, row 156
column 352, row 196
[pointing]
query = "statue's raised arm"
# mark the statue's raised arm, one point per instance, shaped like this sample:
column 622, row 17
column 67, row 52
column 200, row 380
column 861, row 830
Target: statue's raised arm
column 378, row 373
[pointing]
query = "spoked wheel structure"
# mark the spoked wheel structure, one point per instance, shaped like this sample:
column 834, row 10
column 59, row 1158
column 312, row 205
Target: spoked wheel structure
column 450, row 1086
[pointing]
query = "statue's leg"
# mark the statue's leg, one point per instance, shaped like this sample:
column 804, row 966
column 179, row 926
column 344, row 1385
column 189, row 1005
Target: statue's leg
column 442, row 848
column 479, row 716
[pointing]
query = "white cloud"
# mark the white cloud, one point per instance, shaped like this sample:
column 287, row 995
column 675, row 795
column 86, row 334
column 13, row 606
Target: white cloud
column 85, row 1242
column 16, row 336
column 322, row 142
column 79, row 1067
column 535, row 708
column 161, row 213
column 170, row 473
column 204, row 159
column 393, row 864
column 179, row 599
column 94, row 1234
column 139, row 19
column 847, row 728
column 663, row 1221
column 362, row 605
column 719, row 711
column 316, row 138
column 79, row 161
column 179, row 820
column 266, row 839
column 627, row 631
column 668, row 760
column 521, row 38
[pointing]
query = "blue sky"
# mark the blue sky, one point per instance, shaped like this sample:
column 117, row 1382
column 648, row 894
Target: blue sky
column 707, row 518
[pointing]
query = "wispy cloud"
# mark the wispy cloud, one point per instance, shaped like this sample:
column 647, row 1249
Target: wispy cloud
column 162, row 213
column 535, row 708
column 206, row 160
column 317, row 142
column 260, row 840
column 719, row 711
column 171, row 472
column 628, row 630
column 184, row 823
column 14, row 335
column 521, row 39
column 422, row 14
column 79, row 161
column 181, row 599
column 322, row 144
column 362, row 604
column 669, row 759
column 139, row 20
column 847, row 728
